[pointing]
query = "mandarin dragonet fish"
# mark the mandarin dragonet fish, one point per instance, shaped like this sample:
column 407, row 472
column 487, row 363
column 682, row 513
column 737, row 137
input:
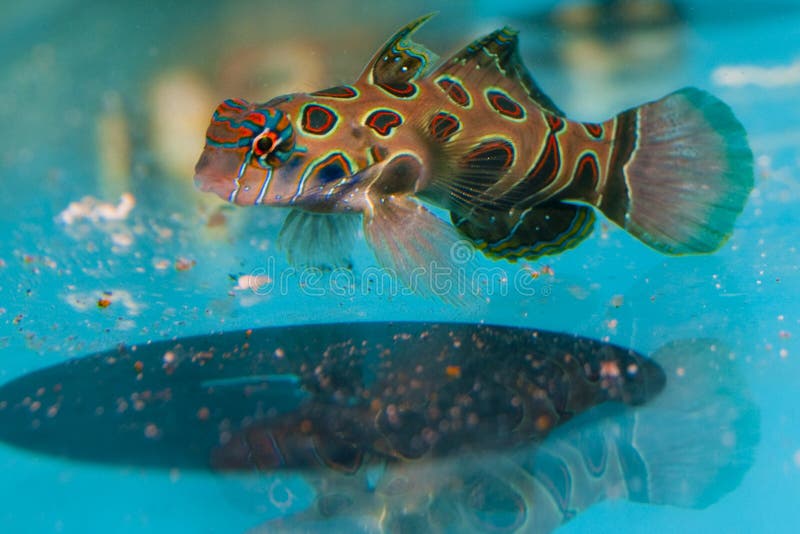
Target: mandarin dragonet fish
column 476, row 137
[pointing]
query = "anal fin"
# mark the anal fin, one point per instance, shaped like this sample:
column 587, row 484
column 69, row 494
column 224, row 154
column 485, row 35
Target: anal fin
column 529, row 234
column 322, row 240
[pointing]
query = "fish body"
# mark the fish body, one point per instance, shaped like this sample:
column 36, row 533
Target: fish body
column 476, row 136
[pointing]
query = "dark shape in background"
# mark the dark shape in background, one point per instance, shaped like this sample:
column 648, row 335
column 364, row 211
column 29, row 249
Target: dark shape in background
column 407, row 426
column 687, row 447
column 327, row 394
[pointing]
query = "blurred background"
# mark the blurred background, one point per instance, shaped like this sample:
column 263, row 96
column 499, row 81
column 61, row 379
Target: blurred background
column 103, row 109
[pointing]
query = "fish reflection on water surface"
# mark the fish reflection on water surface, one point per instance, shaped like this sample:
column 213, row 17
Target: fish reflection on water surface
column 688, row 447
column 405, row 425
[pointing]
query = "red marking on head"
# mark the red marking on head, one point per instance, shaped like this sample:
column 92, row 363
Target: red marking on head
column 234, row 124
column 233, row 105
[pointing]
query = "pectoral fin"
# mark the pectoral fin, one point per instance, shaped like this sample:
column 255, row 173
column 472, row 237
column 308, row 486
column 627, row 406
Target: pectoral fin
column 323, row 240
column 418, row 249
column 529, row 234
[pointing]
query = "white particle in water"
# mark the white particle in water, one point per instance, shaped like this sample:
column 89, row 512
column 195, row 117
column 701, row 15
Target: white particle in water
column 151, row 431
column 728, row 440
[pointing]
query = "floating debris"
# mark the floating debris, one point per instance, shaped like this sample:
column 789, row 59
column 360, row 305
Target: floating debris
column 767, row 77
column 95, row 210
column 87, row 301
column 252, row 282
column 184, row 264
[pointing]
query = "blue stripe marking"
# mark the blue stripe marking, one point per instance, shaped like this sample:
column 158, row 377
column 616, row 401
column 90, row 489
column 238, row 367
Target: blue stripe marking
column 234, row 104
column 302, row 184
column 236, row 184
column 264, row 187
column 241, row 143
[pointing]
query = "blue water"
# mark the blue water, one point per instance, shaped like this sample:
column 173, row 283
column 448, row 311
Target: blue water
column 74, row 75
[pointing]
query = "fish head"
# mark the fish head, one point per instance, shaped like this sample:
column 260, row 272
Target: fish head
column 288, row 151
column 249, row 148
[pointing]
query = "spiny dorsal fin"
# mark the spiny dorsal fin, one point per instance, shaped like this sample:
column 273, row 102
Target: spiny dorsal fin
column 400, row 60
column 498, row 51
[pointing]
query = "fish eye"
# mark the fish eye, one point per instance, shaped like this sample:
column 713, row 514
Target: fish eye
column 263, row 143
column 275, row 145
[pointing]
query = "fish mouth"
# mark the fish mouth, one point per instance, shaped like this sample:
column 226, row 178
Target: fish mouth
column 227, row 174
column 218, row 172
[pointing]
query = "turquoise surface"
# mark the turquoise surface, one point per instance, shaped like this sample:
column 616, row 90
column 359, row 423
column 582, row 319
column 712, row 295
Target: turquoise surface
column 75, row 74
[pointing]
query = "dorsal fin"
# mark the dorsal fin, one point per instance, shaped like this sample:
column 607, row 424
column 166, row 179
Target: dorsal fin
column 400, row 60
column 498, row 54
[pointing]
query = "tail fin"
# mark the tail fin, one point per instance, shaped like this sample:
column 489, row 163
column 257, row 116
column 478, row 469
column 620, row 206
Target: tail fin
column 688, row 447
column 697, row 440
column 682, row 173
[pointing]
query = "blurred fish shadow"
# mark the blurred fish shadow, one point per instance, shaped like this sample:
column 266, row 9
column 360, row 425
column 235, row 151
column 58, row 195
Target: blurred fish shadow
column 688, row 448
column 400, row 427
